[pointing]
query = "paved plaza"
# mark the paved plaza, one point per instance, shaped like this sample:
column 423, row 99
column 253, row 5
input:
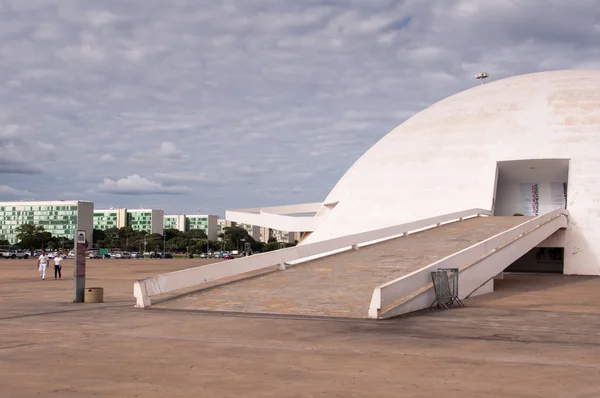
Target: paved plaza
column 537, row 336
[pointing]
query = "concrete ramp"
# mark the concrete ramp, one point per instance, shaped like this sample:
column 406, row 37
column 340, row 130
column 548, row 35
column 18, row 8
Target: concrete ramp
column 343, row 285
column 477, row 264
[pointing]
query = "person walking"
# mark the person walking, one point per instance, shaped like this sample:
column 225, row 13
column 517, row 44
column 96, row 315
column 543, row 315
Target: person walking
column 43, row 264
column 57, row 265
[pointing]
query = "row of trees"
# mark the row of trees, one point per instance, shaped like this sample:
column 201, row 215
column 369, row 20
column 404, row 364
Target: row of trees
column 34, row 236
column 126, row 238
column 193, row 241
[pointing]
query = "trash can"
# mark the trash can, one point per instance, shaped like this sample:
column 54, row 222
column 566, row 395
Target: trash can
column 93, row 295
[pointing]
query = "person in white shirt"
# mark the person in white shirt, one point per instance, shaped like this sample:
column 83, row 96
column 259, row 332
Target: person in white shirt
column 43, row 264
column 57, row 265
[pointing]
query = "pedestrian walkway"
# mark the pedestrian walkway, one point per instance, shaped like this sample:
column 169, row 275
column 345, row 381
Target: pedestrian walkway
column 342, row 285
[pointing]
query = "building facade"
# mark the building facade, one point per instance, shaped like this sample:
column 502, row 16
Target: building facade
column 60, row 218
column 184, row 223
column 279, row 236
column 207, row 223
column 149, row 220
column 176, row 221
column 253, row 230
column 222, row 224
column 111, row 218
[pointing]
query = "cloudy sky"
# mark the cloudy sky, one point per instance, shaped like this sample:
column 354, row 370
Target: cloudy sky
column 212, row 105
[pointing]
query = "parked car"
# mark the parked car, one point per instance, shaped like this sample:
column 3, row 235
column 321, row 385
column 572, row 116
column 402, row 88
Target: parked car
column 204, row 255
column 15, row 254
column 168, row 255
column 92, row 255
column 116, row 255
column 126, row 255
column 228, row 256
column 155, row 255
column 137, row 255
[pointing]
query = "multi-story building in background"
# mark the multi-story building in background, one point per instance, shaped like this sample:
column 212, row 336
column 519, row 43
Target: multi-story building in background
column 175, row 221
column 111, row 218
column 60, row 218
column 279, row 236
column 187, row 222
column 222, row 224
column 149, row 220
column 205, row 222
column 253, row 230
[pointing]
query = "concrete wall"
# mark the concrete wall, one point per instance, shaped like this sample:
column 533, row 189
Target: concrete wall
column 158, row 219
column 213, row 227
column 121, row 217
column 85, row 219
column 445, row 159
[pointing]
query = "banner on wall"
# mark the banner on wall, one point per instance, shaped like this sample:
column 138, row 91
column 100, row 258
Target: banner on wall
column 558, row 195
column 530, row 199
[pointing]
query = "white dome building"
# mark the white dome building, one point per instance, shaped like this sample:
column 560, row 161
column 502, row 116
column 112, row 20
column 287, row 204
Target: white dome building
column 516, row 145
column 527, row 145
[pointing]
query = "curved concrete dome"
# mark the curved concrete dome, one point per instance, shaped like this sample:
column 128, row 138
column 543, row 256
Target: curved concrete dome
column 445, row 159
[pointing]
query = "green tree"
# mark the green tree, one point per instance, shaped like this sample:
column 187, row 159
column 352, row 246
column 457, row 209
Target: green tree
column 98, row 235
column 30, row 235
column 201, row 245
column 236, row 237
column 196, row 234
column 154, row 242
column 172, row 233
column 215, row 246
column 178, row 243
column 111, row 238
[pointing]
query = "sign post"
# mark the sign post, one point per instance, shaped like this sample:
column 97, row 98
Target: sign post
column 79, row 268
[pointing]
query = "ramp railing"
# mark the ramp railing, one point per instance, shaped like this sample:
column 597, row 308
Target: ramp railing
column 145, row 289
column 477, row 264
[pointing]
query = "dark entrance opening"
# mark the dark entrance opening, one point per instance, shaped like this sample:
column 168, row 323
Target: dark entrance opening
column 547, row 260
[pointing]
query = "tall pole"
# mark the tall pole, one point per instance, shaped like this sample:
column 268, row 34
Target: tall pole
column 164, row 243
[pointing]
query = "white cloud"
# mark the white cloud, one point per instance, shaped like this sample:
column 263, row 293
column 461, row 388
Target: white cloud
column 136, row 185
column 178, row 177
column 107, row 158
column 167, row 151
column 9, row 193
column 251, row 94
column 21, row 151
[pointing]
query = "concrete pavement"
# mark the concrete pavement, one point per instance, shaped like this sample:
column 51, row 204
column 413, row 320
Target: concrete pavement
column 536, row 336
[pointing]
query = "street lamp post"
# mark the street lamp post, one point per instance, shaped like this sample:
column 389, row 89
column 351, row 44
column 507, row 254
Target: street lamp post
column 164, row 243
column 481, row 76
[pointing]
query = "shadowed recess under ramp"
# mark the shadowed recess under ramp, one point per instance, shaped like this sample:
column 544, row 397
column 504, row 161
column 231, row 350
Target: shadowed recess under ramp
column 342, row 285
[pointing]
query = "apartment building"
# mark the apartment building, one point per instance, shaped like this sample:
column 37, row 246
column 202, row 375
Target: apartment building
column 186, row 222
column 280, row 236
column 149, row 220
column 111, row 218
column 60, row 218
